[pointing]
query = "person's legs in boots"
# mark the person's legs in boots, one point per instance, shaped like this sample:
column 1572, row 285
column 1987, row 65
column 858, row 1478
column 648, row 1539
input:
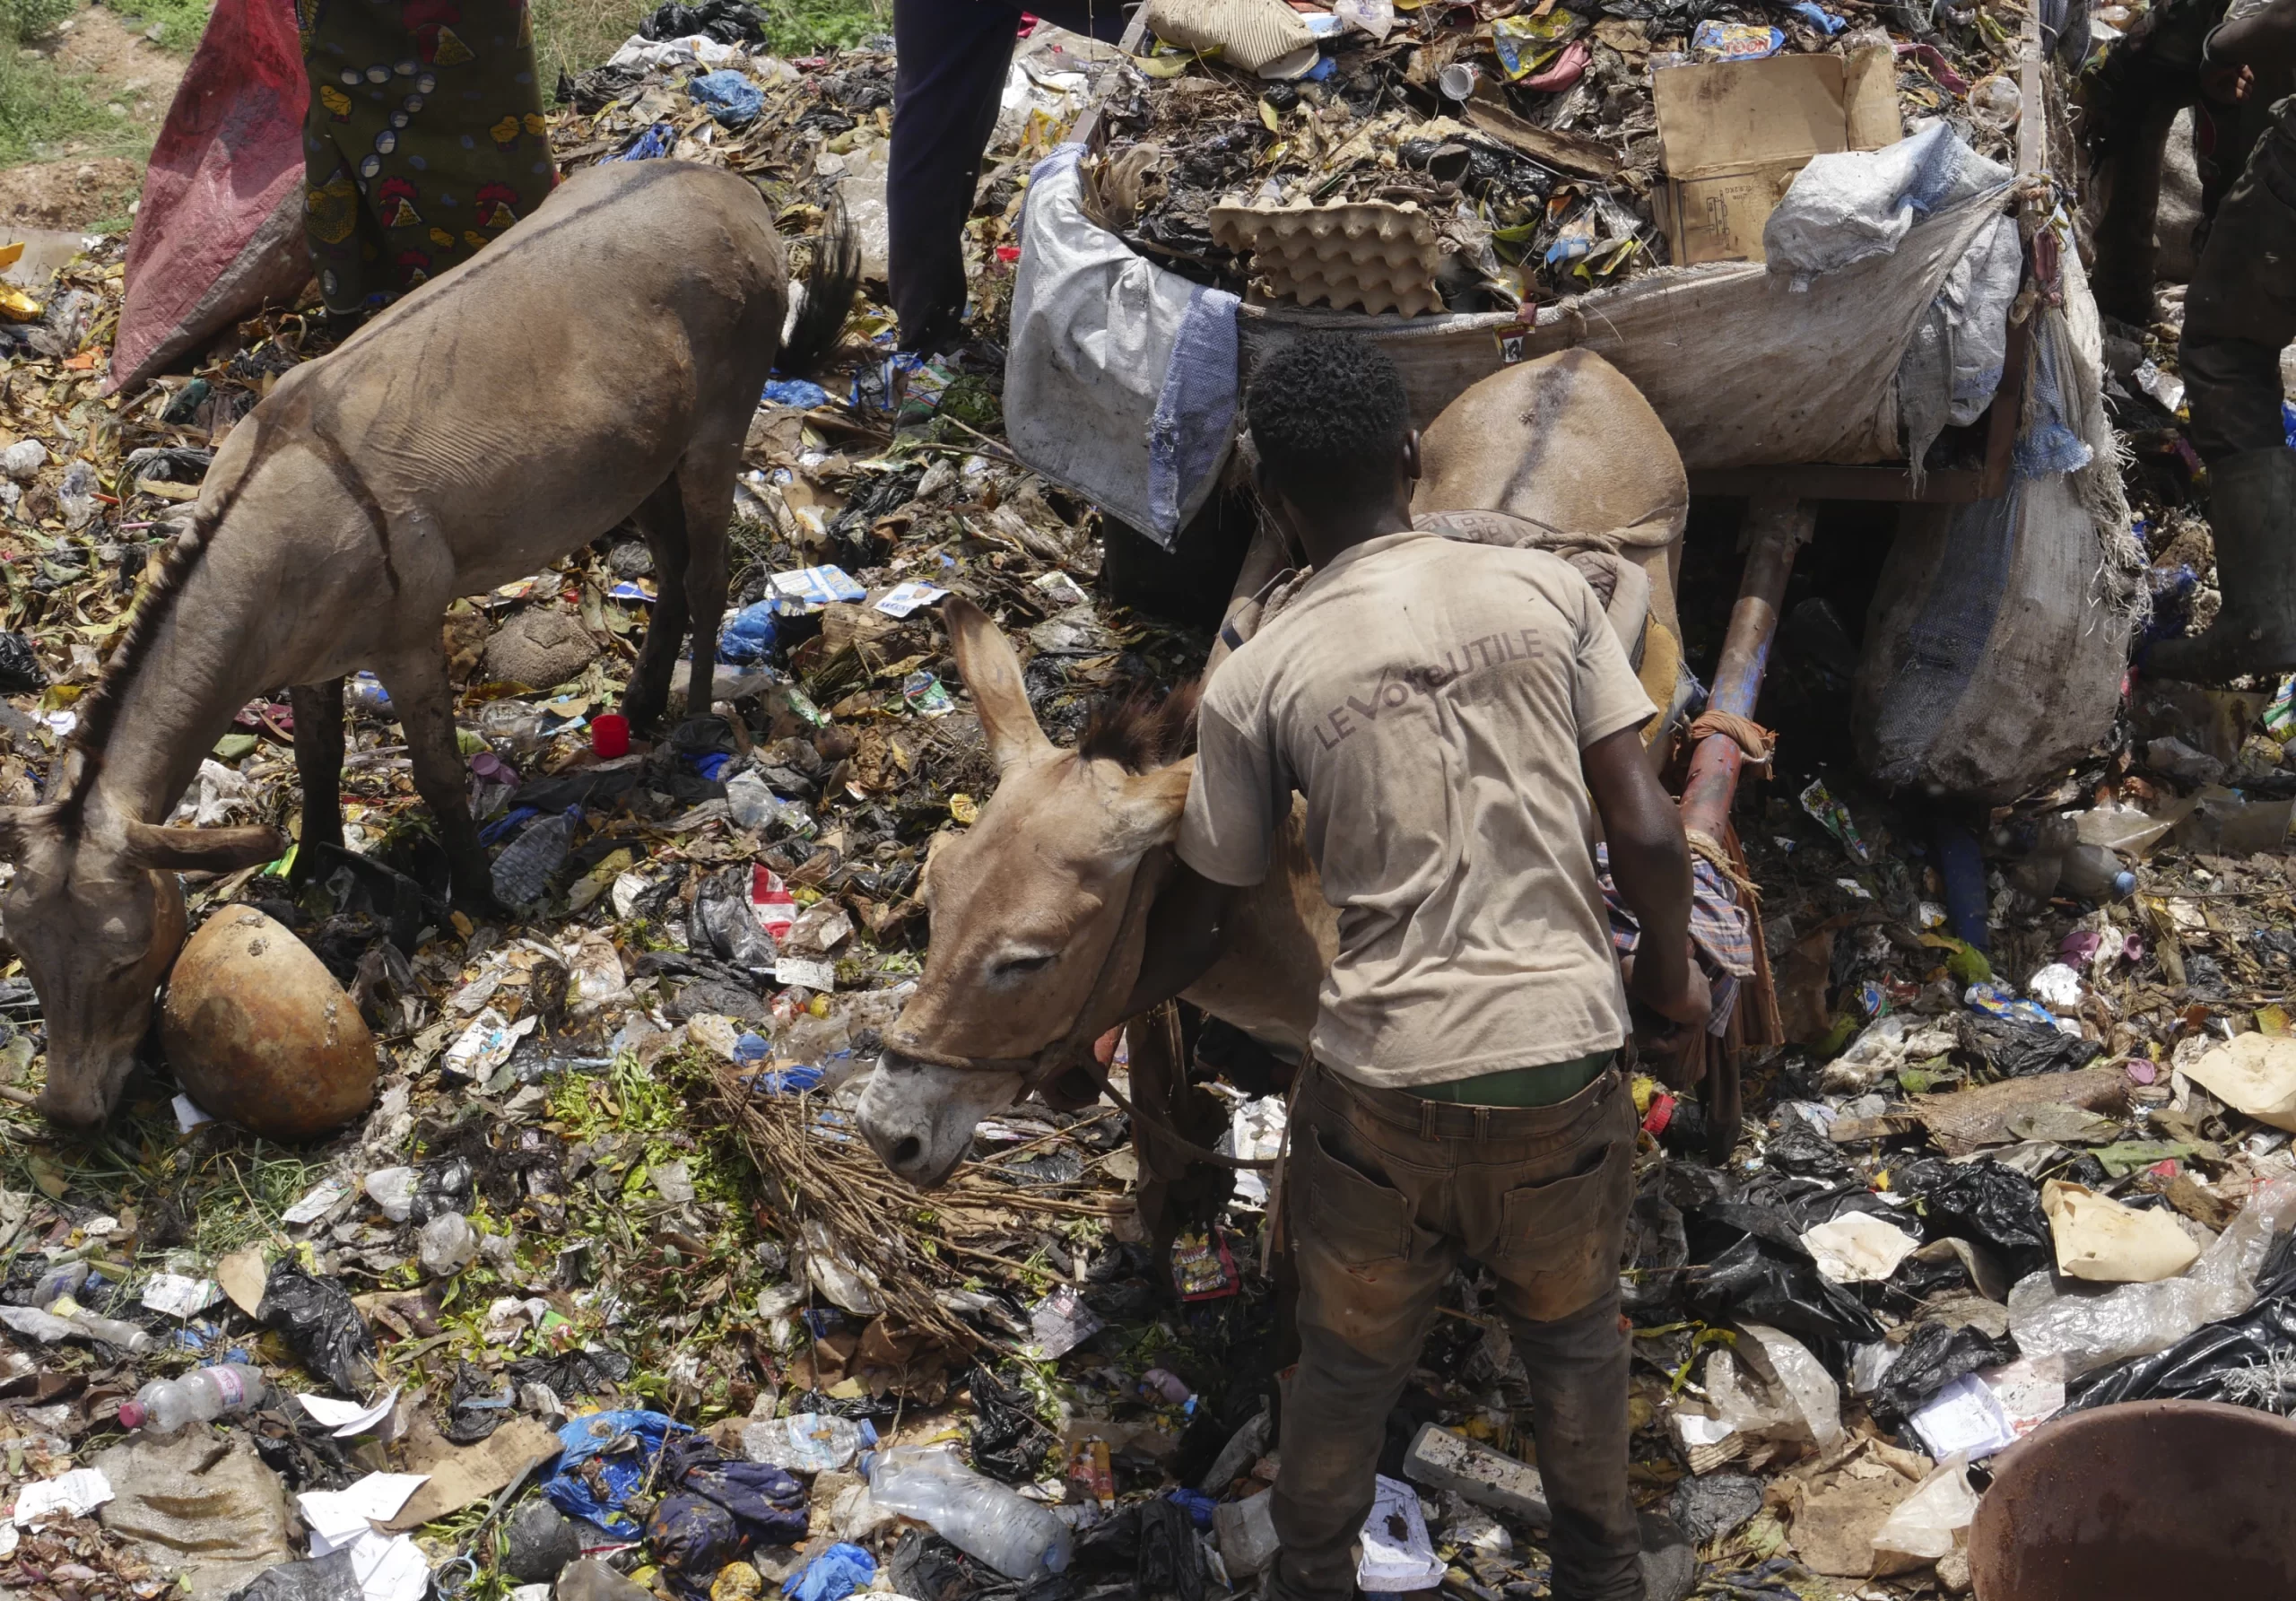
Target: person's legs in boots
column 1369, row 1277
column 2241, row 313
column 1578, row 1371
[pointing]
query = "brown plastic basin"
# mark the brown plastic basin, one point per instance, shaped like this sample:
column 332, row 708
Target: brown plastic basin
column 2150, row 1502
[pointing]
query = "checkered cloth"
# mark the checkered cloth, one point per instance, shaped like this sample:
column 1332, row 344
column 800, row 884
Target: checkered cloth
column 1719, row 930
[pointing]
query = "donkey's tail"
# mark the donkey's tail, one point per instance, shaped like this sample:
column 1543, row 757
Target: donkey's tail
column 825, row 295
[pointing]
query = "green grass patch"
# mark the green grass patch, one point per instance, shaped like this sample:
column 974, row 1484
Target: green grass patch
column 43, row 109
column 803, row 27
column 180, row 21
column 573, row 35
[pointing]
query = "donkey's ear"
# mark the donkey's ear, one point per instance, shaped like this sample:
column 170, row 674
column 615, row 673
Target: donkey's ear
column 992, row 672
column 1148, row 811
column 18, row 824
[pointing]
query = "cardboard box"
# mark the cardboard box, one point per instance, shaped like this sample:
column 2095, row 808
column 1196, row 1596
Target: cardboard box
column 1733, row 135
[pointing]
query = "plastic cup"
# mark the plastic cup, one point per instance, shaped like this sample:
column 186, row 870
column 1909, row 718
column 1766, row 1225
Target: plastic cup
column 609, row 735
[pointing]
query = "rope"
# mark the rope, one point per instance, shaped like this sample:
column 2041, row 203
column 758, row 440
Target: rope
column 1758, row 743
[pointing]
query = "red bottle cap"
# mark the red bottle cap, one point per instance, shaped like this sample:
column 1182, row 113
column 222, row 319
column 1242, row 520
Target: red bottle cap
column 609, row 735
column 131, row 1414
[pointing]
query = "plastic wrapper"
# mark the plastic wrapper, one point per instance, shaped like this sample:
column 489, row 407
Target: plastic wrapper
column 1772, row 1387
column 329, row 1578
column 2088, row 1330
column 316, row 1318
column 1926, row 1524
column 2247, row 1361
column 721, row 922
column 1934, row 1357
column 1994, row 1205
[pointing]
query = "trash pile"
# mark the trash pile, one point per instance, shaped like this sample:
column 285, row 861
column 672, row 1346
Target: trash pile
column 1512, row 154
column 601, row 1290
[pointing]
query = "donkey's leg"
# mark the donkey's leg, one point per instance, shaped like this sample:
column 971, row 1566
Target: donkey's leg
column 318, row 763
column 705, row 479
column 418, row 691
column 662, row 519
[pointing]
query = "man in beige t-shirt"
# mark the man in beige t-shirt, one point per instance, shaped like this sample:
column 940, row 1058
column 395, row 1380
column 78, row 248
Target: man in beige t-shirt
column 1457, row 717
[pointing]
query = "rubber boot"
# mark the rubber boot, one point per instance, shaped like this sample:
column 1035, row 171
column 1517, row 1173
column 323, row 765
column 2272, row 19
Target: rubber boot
column 2252, row 514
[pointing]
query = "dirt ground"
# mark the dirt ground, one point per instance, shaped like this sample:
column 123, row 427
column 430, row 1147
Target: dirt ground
column 138, row 76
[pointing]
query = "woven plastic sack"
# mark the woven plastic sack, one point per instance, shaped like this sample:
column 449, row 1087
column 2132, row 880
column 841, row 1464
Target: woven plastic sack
column 220, row 228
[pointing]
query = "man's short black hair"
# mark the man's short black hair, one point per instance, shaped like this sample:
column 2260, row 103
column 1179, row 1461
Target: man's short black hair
column 1328, row 415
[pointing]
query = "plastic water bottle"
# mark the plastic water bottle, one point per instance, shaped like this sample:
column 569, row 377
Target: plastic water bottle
column 1017, row 1536
column 170, row 1405
column 522, row 872
column 111, row 1331
column 2094, row 873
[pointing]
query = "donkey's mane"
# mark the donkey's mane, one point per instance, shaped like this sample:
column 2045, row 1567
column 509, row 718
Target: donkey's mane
column 1141, row 729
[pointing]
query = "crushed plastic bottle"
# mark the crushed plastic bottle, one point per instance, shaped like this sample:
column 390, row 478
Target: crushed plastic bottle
column 522, row 873
column 1017, row 1536
column 807, row 1441
column 169, row 1406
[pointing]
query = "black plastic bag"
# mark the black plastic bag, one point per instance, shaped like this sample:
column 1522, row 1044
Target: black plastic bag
column 1933, row 1358
column 1008, row 1442
column 1715, row 1505
column 1802, row 1151
column 316, row 1318
column 1985, row 1202
column 2027, row 1049
column 441, row 1186
column 720, row 921
column 1757, row 1281
column 21, row 673
column 477, row 1405
column 322, row 1579
column 572, row 1373
column 2248, row 1361
column 728, row 22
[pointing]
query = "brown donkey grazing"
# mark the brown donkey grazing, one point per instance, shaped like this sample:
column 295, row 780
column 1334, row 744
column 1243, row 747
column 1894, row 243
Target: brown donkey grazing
column 602, row 358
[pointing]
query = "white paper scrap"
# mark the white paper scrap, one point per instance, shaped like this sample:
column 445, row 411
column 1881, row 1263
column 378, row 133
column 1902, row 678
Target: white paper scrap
column 317, row 1204
column 805, row 974
column 74, row 1494
column 1963, row 1419
column 907, row 596
column 346, row 1418
column 390, row 1567
column 179, row 1296
column 1398, row 1555
column 337, row 1517
column 188, row 1116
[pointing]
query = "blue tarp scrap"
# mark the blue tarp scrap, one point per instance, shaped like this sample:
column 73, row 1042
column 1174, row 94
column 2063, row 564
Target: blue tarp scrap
column 604, row 1462
column 655, row 141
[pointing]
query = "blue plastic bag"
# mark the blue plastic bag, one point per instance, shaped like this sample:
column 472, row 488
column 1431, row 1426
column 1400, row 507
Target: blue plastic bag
column 795, row 391
column 732, row 99
column 833, row 1575
column 623, row 1444
column 748, row 638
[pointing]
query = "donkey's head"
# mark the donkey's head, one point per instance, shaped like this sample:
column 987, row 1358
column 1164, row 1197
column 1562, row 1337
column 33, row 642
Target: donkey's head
column 96, row 913
column 1037, row 912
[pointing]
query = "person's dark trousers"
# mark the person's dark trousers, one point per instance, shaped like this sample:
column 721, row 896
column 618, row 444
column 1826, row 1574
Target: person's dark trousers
column 2241, row 309
column 953, row 55
column 1384, row 1193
